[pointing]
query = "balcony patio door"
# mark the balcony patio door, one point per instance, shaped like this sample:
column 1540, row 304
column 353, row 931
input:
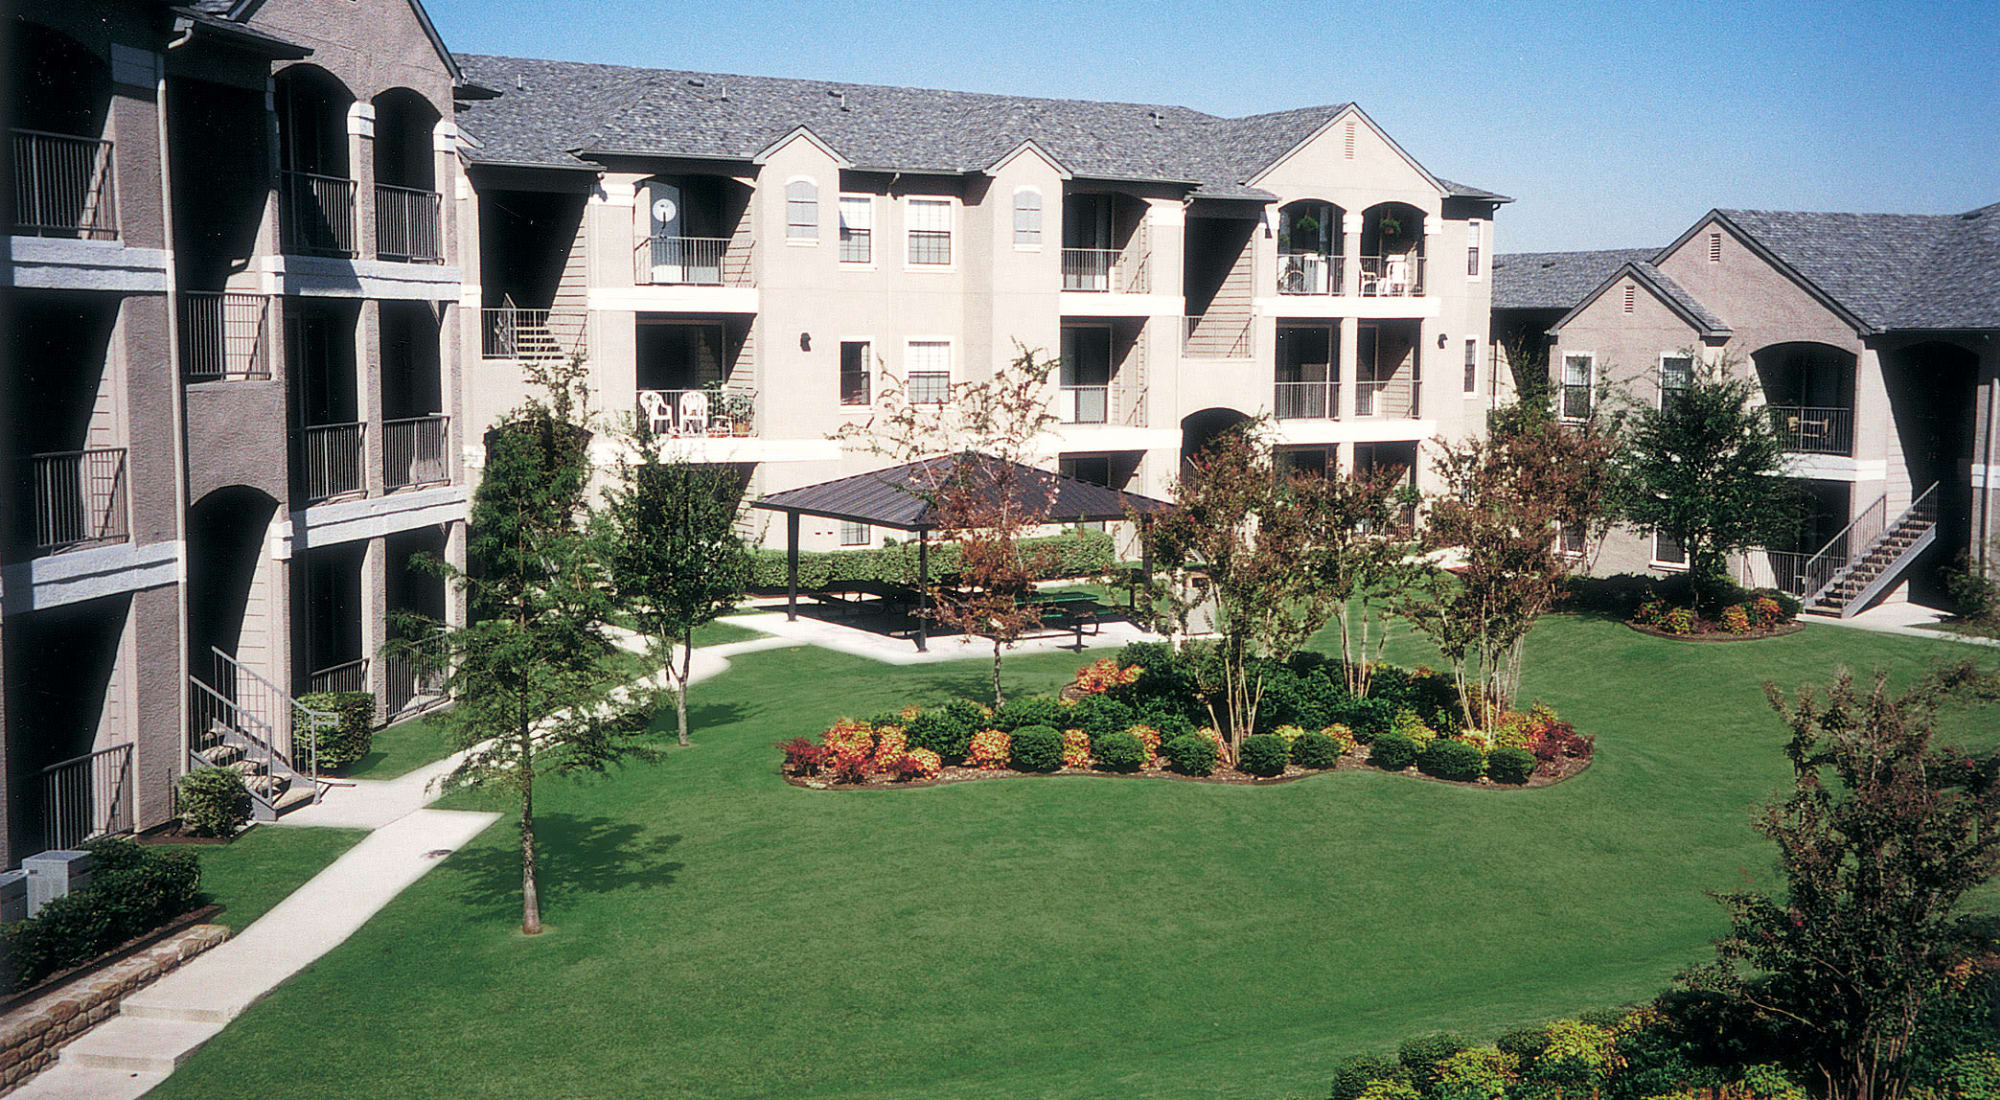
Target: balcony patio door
column 1086, row 374
column 676, row 259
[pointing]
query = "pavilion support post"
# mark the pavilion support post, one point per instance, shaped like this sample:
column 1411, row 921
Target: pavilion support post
column 791, row 567
column 923, row 589
column 1145, row 560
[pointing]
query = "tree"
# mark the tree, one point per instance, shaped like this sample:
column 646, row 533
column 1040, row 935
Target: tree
column 1706, row 468
column 677, row 561
column 984, row 493
column 1274, row 558
column 532, row 673
column 1498, row 524
column 1880, row 841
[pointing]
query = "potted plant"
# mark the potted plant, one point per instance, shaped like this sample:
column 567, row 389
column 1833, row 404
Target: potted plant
column 1389, row 226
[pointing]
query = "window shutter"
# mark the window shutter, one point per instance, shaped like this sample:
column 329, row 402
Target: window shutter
column 802, row 211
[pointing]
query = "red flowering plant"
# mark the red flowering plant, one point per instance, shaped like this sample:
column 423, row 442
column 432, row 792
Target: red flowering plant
column 1150, row 738
column 1102, row 675
column 1553, row 740
column 889, row 748
column 1076, row 749
column 802, row 757
column 919, row 764
column 1736, row 619
column 990, row 749
column 1766, row 612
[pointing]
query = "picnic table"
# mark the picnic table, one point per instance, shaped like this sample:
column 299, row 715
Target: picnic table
column 1067, row 609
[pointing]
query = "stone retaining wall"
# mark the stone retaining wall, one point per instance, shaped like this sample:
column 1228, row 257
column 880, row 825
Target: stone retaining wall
column 33, row 1034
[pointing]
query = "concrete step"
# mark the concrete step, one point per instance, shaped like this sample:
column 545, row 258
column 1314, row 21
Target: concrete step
column 222, row 756
column 69, row 1081
column 299, row 794
column 138, row 1045
column 247, row 768
column 208, row 992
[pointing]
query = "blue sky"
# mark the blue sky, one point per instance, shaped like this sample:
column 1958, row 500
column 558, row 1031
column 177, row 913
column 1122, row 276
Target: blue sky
column 1611, row 132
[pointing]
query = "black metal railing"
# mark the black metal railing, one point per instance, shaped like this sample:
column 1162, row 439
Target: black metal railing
column 319, row 214
column 64, row 186
column 80, row 498
column 407, row 224
column 224, row 336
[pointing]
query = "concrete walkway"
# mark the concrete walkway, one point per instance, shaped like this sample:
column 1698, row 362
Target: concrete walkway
column 1908, row 619
column 808, row 630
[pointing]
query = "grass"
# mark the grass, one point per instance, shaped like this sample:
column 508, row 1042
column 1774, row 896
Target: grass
column 402, row 748
column 263, row 866
column 708, row 634
column 714, row 932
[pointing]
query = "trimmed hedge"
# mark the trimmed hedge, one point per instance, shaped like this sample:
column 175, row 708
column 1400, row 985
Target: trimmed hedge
column 1030, row 710
column 1392, row 752
column 132, row 891
column 1191, row 755
column 1454, row 760
column 350, row 738
column 1119, row 752
column 946, row 730
column 212, row 801
column 1318, row 751
column 1369, row 717
column 1035, row 749
column 1071, row 554
column 1098, row 716
column 1510, row 765
column 1263, row 754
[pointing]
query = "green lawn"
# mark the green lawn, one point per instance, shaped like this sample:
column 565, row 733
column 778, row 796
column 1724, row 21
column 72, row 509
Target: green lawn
column 717, row 933
column 260, row 868
column 401, row 748
column 709, row 634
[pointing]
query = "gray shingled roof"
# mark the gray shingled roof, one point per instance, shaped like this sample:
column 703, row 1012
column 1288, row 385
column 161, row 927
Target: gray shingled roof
column 900, row 496
column 1891, row 271
column 1556, row 280
column 1710, row 324
column 549, row 112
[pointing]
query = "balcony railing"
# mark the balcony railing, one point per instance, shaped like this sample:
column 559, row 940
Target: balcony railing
column 1220, row 336
column 1084, row 405
column 407, row 225
column 64, row 187
column 1103, row 270
column 511, row 332
column 331, row 461
column 691, row 261
column 87, row 797
column 346, row 676
column 1311, row 273
column 1307, row 401
column 414, row 451
column 1388, row 397
column 1392, row 276
column 80, row 498
column 703, row 412
column 319, row 214
column 1814, row 430
column 412, row 682
column 224, row 336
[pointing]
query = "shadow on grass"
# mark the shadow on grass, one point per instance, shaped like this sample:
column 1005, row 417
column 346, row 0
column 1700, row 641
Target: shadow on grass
column 574, row 856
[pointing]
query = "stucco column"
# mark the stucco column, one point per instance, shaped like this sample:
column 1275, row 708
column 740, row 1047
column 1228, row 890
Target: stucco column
column 1347, row 359
column 1433, row 240
column 454, row 555
column 368, row 393
column 361, row 169
column 375, row 619
column 1350, row 257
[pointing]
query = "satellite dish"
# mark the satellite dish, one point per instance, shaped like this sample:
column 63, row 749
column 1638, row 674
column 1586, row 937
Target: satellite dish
column 664, row 210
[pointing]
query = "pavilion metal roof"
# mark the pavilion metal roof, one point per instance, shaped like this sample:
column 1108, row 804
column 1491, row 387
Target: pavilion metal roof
column 901, row 496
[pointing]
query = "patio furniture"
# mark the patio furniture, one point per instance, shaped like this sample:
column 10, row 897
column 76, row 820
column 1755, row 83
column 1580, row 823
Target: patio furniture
column 659, row 418
column 694, row 413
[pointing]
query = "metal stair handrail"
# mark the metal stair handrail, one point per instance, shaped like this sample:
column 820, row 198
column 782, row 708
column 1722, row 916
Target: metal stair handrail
column 1825, row 566
column 1922, row 504
column 302, row 715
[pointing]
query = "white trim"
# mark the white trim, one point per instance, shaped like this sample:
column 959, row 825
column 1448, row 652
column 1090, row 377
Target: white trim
column 54, row 580
column 1658, row 562
column 1348, row 112
column 1562, row 382
column 54, row 263
column 797, row 133
column 1027, row 146
column 818, row 222
column 951, row 233
column 1041, row 219
column 326, row 277
column 1660, row 398
column 874, row 237
column 874, row 386
column 950, row 366
column 1476, row 239
column 374, row 517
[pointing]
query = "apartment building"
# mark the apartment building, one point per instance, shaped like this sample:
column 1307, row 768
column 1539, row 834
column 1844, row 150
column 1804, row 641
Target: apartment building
column 747, row 262
column 1872, row 341
column 229, row 387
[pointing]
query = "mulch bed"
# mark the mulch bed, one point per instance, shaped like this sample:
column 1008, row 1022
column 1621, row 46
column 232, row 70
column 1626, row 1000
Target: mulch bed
column 174, row 833
column 1716, row 634
column 1355, row 761
column 124, row 950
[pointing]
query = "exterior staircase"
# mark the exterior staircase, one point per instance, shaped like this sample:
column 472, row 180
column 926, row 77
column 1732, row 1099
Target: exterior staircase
column 246, row 725
column 1862, row 561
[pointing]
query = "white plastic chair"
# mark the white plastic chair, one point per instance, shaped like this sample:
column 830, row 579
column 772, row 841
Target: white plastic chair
column 1399, row 275
column 694, row 413
column 659, row 418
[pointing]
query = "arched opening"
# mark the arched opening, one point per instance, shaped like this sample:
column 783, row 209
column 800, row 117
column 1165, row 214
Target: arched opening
column 1392, row 250
column 1809, row 388
column 234, row 594
column 318, row 187
column 690, row 225
column 62, row 169
column 1199, row 429
column 407, row 204
column 1310, row 242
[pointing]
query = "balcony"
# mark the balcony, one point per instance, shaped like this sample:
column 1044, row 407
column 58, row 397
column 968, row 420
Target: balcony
column 1399, row 276
column 702, row 413
column 318, row 214
column 1311, row 273
column 1307, row 401
column 87, row 797
column 1084, row 405
column 1814, row 429
column 63, row 187
column 332, row 461
column 346, row 676
column 224, row 336
column 407, row 225
column 1103, row 271
column 79, row 498
column 414, row 452
column 691, row 261
column 1387, row 397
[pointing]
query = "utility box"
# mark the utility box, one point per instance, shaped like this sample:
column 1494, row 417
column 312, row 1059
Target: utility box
column 53, row 874
column 13, row 896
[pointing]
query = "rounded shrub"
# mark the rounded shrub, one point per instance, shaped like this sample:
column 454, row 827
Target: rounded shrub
column 1392, row 752
column 1367, row 716
column 1423, row 1055
column 1119, row 752
column 1263, row 754
column 1455, row 760
column 341, row 740
column 1036, row 749
column 1509, row 765
column 1315, row 750
column 1354, row 1073
column 1029, row 710
column 943, row 730
column 1171, row 722
column 1192, row 754
column 213, row 801
column 1097, row 715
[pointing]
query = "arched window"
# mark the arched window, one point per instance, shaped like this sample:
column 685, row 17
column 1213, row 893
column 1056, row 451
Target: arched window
column 801, row 211
column 1028, row 217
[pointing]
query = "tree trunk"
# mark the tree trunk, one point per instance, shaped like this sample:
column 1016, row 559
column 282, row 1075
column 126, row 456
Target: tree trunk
column 681, row 709
column 531, row 902
column 997, row 697
column 681, row 688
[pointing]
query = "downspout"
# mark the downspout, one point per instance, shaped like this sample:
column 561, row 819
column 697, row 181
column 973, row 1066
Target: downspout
column 179, row 398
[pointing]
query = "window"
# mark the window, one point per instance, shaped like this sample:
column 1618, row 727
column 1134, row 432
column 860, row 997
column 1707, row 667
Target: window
column 928, row 363
column 1572, row 538
column 802, row 211
column 1472, row 365
column 930, row 232
column 855, row 534
column 1667, row 550
column 857, row 229
column 854, row 371
column 1576, row 382
column 1715, row 248
column 1631, row 296
column 1472, row 248
column 1028, row 218
column 1676, row 375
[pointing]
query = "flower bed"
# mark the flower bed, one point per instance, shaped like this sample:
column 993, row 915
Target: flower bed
column 1760, row 616
column 1136, row 716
